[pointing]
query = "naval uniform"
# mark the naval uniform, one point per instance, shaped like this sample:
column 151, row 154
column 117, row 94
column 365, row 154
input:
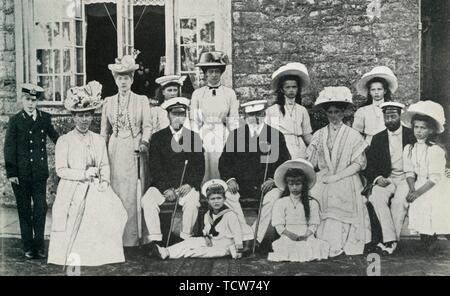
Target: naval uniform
column 26, row 158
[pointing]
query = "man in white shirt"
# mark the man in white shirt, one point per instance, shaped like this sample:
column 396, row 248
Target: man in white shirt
column 386, row 177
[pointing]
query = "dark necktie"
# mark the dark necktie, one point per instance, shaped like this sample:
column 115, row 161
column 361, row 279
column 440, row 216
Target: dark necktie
column 213, row 88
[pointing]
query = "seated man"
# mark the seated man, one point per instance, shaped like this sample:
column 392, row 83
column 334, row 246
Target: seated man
column 385, row 174
column 249, row 160
column 172, row 150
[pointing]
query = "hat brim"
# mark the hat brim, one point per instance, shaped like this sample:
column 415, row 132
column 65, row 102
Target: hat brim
column 407, row 116
column 216, row 182
column 89, row 108
column 361, row 86
column 304, row 78
column 320, row 105
column 202, row 65
column 294, row 164
column 119, row 70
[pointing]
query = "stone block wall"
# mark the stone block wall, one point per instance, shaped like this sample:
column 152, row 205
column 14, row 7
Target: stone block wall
column 338, row 40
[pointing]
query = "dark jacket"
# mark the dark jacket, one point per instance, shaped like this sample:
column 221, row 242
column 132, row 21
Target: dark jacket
column 25, row 146
column 243, row 158
column 167, row 158
column 378, row 154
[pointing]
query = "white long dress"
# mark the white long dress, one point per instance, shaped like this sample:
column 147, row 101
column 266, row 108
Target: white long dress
column 430, row 213
column 294, row 124
column 98, row 240
column 213, row 117
column 289, row 214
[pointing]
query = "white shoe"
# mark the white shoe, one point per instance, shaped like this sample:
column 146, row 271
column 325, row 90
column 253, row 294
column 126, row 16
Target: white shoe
column 163, row 252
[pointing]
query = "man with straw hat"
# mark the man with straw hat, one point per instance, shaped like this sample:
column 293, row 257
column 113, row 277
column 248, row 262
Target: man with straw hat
column 27, row 168
column 386, row 177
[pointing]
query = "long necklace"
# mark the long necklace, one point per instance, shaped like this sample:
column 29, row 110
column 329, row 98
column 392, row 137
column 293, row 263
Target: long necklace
column 295, row 202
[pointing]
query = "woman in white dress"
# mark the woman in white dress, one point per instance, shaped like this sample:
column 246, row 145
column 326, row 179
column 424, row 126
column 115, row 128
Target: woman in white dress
column 88, row 217
column 295, row 215
column 378, row 85
column 424, row 165
column 288, row 115
column 338, row 152
column 214, row 111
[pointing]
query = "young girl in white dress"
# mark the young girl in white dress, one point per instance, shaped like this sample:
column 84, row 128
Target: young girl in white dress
column 424, row 165
column 295, row 215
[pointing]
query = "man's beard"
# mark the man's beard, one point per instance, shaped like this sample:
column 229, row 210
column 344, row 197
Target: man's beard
column 393, row 127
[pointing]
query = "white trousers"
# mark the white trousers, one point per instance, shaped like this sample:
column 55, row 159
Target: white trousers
column 391, row 218
column 196, row 247
column 232, row 201
column 151, row 202
column 266, row 213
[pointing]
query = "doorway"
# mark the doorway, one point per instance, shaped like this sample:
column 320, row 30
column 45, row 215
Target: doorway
column 101, row 46
column 435, row 59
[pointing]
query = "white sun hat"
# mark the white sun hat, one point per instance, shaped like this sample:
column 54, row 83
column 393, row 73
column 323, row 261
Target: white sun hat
column 298, row 163
column 333, row 94
column 381, row 72
column 296, row 69
column 428, row 108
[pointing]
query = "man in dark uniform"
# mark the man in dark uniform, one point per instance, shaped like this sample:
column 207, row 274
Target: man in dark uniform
column 386, row 178
column 27, row 169
column 171, row 150
column 244, row 158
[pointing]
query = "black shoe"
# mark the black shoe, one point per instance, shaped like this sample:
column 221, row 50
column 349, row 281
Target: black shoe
column 29, row 254
column 41, row 254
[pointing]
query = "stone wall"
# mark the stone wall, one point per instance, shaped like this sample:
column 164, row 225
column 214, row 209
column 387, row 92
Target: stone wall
column 338, row 40
column 7, row 57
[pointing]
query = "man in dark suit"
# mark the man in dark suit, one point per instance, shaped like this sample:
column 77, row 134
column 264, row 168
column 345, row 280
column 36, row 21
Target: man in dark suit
column 171, row 150
column 27, row 169
column 386, row 177
column 248, row 151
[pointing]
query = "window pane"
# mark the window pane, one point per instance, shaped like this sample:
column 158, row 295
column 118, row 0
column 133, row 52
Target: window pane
column 46, row 82
column 80, row 80
column 188, row 58
column 79, row 33
column 43, row 35
column 58, row 94
column 66, row 85
column 206, row 29
column 78, row 9
column 66, row 32
column 188, row 31
column 57, row 37
column 44, row 61
column 57, row 55
column 66, row 60
column 80, row 68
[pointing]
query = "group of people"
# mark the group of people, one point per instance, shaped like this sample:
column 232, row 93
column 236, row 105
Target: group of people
column 341, row 190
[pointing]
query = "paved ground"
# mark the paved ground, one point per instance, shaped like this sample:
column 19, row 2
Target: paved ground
column 409, row 260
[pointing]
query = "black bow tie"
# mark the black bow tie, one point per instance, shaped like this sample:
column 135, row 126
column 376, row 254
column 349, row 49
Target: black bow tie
column 213, row 88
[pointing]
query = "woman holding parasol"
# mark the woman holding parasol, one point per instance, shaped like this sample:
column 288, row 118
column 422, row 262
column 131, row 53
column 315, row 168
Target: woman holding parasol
column 88, row 217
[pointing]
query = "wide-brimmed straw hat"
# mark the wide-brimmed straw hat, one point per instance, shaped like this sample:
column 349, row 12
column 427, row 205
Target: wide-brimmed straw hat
column 124, row 65
column 377, row 72
column 295, row 69
column 428, row 108
column 298, row 163
column 164, row 80
column 334, row 94
column 84, row 98
column 214, row 183
column 213, row 59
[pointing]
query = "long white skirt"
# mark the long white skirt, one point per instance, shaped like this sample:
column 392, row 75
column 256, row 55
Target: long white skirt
column 430, row 213
column 99, row 238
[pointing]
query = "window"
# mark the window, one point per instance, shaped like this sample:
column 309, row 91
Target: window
column 57, row 47
column 201, row 25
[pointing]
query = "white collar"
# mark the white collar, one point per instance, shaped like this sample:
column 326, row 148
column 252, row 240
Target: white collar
column 289, row 101
column 397, row 132
column 34, row 114
column 256, row 129
column 377, row 103
column 175, row 132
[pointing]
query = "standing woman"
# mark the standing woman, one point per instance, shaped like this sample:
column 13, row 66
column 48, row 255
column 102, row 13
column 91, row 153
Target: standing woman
column 214, row 111
column 338, row 151
column 288, row 115
column 378, row 86
column 88, row 217
column 126, row 126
